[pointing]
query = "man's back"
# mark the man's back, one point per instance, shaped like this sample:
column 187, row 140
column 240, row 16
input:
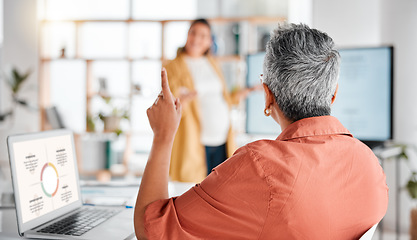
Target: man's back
column 315, row 181
column 325, row 184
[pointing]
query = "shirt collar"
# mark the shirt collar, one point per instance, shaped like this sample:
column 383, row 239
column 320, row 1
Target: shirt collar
column 314, row 126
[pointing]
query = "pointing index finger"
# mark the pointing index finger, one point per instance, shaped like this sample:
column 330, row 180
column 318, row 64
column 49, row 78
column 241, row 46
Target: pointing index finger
column 164, row 83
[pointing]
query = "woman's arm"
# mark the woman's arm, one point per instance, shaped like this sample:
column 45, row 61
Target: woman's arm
column 241, row 94
column 164, row 117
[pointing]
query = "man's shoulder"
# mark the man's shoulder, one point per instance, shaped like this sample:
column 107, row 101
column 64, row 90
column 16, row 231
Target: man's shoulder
column 266, row 147
column 273, row 154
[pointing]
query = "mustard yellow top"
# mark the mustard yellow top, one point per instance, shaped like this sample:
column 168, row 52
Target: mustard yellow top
column 188, row 162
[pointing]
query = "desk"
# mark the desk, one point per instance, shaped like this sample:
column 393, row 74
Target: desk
column 113, row 193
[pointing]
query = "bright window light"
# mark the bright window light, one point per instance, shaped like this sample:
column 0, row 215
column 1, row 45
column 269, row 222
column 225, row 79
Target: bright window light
column 147, row 75
column 86, row 9
column 68, row 93
column 176, row 36
column 145, row 40
column 114, row 74
column 138, row 118
column 164, row 9
column 57, row 36
column 103, row 40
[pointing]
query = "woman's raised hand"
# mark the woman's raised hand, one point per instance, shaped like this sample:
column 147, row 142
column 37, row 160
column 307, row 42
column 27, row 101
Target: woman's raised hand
column 186, row 96
column 165, row 114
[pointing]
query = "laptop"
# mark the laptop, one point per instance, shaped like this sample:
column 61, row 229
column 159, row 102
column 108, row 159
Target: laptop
column 47, row 192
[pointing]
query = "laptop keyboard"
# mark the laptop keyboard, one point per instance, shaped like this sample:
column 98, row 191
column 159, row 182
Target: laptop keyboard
column 80, row 222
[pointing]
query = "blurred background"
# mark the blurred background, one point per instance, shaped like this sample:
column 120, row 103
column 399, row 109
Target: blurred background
column 93, row 66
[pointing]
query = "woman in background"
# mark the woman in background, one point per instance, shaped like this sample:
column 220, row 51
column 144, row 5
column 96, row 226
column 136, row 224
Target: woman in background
column 204, row 138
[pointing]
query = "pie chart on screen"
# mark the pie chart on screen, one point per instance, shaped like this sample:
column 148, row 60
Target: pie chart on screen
column 49, row 179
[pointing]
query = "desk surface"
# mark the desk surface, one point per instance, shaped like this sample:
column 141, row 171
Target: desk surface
column 114, row 193
column 8, row 226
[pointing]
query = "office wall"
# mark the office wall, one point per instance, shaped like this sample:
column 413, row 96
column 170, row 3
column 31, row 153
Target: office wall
column 349, row 23
column 300, row 11
column 242, row 8
column 20, row 50
column 380, row 22
column 1, row 44
column 398, row 27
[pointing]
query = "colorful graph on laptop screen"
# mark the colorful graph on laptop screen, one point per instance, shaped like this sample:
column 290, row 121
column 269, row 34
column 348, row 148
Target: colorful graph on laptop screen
column 46, row 175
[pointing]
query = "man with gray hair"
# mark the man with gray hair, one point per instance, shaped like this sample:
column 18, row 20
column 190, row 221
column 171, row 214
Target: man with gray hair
column 315, row 181
column 301, row 69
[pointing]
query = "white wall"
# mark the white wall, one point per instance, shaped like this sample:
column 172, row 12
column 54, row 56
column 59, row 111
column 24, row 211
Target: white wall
column 242, row 8
column 300, row 11
column 20, row 50
column 1, row 44
column 373, row 23
column 398, row 27
column 349, row 23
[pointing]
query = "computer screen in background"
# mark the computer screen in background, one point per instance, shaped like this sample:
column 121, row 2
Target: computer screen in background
column 256, row 122
column 364, row 99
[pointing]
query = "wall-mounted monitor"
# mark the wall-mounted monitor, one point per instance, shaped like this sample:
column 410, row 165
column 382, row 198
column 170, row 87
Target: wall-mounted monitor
column 256, row 122
column 364, row 99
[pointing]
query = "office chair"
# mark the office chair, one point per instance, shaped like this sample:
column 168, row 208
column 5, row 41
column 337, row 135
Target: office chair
column 368, row 234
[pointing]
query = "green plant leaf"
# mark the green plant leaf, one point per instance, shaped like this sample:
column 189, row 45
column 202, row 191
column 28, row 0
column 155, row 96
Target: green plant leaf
column 101, row 116
column 118, row 131
column 412, row 188
column 91, row 126
column 17, row 79
column 403, row 155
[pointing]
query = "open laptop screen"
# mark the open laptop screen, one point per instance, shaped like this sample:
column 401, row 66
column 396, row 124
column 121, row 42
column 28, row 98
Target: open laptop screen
column 44, row 173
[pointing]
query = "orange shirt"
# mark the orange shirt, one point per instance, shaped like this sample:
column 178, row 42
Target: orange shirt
column 315, row 181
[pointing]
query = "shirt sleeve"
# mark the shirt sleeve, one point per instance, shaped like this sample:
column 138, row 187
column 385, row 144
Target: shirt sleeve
column 231, row 203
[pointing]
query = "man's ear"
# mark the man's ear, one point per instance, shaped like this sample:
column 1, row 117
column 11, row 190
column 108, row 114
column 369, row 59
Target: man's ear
column 335, row 93
column 269, row 96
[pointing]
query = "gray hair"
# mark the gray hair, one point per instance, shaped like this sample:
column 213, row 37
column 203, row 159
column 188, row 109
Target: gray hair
column 301, row 69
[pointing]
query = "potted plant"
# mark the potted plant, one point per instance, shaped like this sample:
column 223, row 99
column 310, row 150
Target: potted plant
column 15, row 81
column 398, row 152
column 412, row 190
column 112, row 119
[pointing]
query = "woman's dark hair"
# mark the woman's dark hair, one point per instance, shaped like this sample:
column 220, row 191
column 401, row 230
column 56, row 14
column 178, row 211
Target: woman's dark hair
column 202, row 21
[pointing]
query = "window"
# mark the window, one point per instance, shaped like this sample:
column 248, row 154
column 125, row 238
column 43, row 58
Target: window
column 146, row 75
column 67, row 84
column 115, row 48
column 145, row 40
column 85, row 9
column 92, row 49
column 98, row 40
column 164, row 9
column 57, row 36
column 176, row 33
